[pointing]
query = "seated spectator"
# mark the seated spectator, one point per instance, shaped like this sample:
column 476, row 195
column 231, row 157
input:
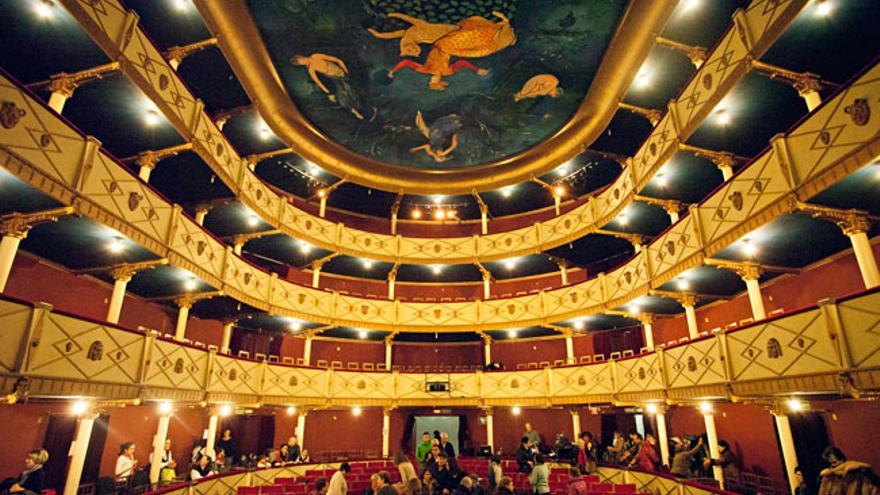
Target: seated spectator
column 577, row 485
column 204, row 467
column 684, row 454
column 126, row 464
column 338, row 485
column 505, row 486
column 495, row 473
column 264, row 462
column 631, row 452
column 412, row 487
column 304, row 457
column 284, row 453
column 228, row 445
column 616, row 449
column 465, row 487
column 477, row 488
column 321, row 486
column 32, row 480
column 649, row 458
column 167, row 464
column 524, row 455
column 381, row 484
column 801, row 487
column 446, row 480
column 294, row 453
column 727, row 460
column 428, row 483
column 844, row 477
column 407, row 471
column 539, row 478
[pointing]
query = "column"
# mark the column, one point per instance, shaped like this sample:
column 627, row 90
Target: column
column 182, row 317
column 563, row 273
column 490, row 428
column 750, row 275
column 389, row 343
column 786, row 441
column 174, row 63
column 322, row 207
column 487, row 279
column 569, row 348
column 709, row 419
column 386, row 430
column 726, row 169
column 121, row 278
column 158, row 447
column 392, row 280
column 77, row 454
column 8, row 249
column 144, row 172
column 808, row 88
column 61, row 90
column 394, row 222
column 237, row 246
column 307, row 350
column 301, row 426
column 201, row 213
column 856, row 230
column 487, row 350
column 648, row 330
column 227, row 337
column 688, row 302
column 484, row 219
column 316, row 275
column 211, row 436
column 575, row 424
column 57, row 101
column 673, row 214
column 662, row 436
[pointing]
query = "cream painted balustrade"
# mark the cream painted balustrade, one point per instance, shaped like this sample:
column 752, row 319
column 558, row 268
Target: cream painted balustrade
column 828, row 348
column 118, row 32
column 45, row 152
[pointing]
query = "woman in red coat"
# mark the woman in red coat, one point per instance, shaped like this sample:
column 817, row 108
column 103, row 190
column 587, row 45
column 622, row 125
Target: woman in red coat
column 648, row 458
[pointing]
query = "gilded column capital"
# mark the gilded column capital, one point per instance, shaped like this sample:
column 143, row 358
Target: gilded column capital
column 126, row 271
column 18, row 224
column 749, row 271
column 687, row 299
column 63, row 84
column 646, row 318
column 851, row 221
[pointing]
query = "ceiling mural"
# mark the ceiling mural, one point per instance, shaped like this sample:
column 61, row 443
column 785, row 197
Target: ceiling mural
column 437, row 83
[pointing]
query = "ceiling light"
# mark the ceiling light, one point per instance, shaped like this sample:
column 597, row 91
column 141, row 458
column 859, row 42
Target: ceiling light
column 190, row 284
column 689, row 5
column 437, row 199
column 43, row 9
column 291, row 411
column 265, row 133
column 225, row 410
column 416, row 214
column 295, row 326
column 437, row 269
column 795, row 405
column 633, row 309
column 79, row 407
column 367, row 264
column 643, row 78
column 651, row 408
column 252, row 220
column 823, row 8
column 356, row 410
column 622, row 219
column 749, row 248
column 579, row 325
column 516, row 410
column 722, row 117
column 510, row 264
column 322, row 193
column 305, row 247
column 314, row 170
column 683, row 284
column 507, row 191
column 561, row 171
column 660, row 179
column 362, row 334
column 151, row 118
column 451, row 214
column 512, row 333
column 165, row 408
column 706, row 407
column 116, row 245
column 181, row 4
column 439, row 214
column 559, row 191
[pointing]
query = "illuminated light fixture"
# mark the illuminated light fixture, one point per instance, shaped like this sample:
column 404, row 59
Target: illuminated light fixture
column 265, row 133
column 510, row 264
column 795, row 405
column 559, row 191
column 295, row 326
column 305, row 247
column 43, row 9
column 643, row 78
column 622, row 219
column 416, row 214
column 451, row 214
column 683, row 284
column 437, row 199
column 181, row 4
column 690, row 5
column 165, row 408
column 507, row 191
column 322, row 193
column 722, row 117
column 356, row 410
column 633, row 309
column 516, row 410
column 579, row 325
column 749, row 248
column 314, row 170
column 79, row 407
column 661, row 179
column 225, row 410
column 439, row 214
column 512, row 333
column 252, row 220
column 651, row 408
column 437, row 269
column 362, row 334
column 367, row 264
column 190, row 284
column 823, row 8
column 116, row 245
column 561, row 171
column 291, row 411
column 151, row 118
column 706, row 407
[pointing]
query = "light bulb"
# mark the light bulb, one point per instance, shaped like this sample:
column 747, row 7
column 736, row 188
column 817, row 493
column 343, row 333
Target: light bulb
column 437, row 269
column 165, row 408
column 291, row 411
column 189, row 284
column 252, row 220
column 795, row 405
column 225, row 410
column 117, row 245
column 683, row 284
column 512, row 333
column 579, row 325
column 362, row 334
column 356, row 410
column 416, row 214
column 151, row 118
column 295, row 326
column 706, row 407
column 651, row 408
column 79, row 407
column 516, row 410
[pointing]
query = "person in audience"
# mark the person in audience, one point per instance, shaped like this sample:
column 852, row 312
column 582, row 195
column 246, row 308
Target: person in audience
column 126, row 464
column 505, row 486
column 304, row 457
column 534, row 436
column 801, row 487
column 465, row 487
column 524, row 455
column 616, row 449
column 200, row 448
column 447, row 447
column 338, row 485
column 727, row 460
column 407, row 471
column 442, row 473
column 284, row 453
column 631, row 453
column 32, row 480
column 495, row 473
column 228, row 445
column 203, row 468
column 293, row 451
column 321, row 485
column 167, row 464
column 431, row 457
column 423, row 449
column 845, row 477
column 412, row 487
column 477, row 488
column 684, row 454
column 265, row 461
column 588, row 453
column 539, row 478
column 428, row 483
column 648, row 457
column 577, row 484
column 381, row 483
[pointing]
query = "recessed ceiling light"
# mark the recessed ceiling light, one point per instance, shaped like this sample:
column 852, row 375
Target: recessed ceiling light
column 362, row 334
column 416, row 214
column 749, row 248
column 252, row 220
column 643, row 78
column 579, row 324
column 622, row 219
column 437, row 269
column 722, row 117
column 661, row 179
column 633, row 309
column 439, row 214
column 116, row 245
column 295, row 326
column 305, row 247
column 367, row 264
column 689, row 5
column 190, row 284
column 356, row 410
column 507, row 191
column 559, row 191
column 512, row 333
column 43, row 9
column 683, row 284
column 151, row 118
column 437, row 199
column 824, row 8
column 510, row 264
column 291, row 411
column 516, row 410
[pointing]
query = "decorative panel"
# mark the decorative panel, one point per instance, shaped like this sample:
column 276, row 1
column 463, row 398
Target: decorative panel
column 260, row 198
column 593, row 379
column 578, row 297
column 436, row 314
column 515, row 384
column 362, row 385
column 503, row 244
column 422, row 250
column 628, row 280
column 355, row 310
column 615, row 196
column 652, row 483
column 289, row 381
column 796, row 345
column 316, row 305
column 515, row 311
column 198, row 250
column 237, row 376
column 698, row 363
column 313, row 229
column 379, row 245
column 639, row 374
column 223, row 485
column 675, row 245
column 860, row 318
column 251, row 282
column 177, row 366
column 462, row 386
column 69, row 347
column 571, row 225
column 14, row 320
column 656, row 150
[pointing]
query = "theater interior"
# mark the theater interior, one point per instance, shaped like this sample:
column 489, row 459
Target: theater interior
column 352, row 221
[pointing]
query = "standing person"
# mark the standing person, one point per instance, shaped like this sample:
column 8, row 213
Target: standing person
column 447, row 447
column 648, row 457
column 577, row 485
column 431, row 458
column 446, row 479
column 800, row 484
column 534, row 436
column 588, row 453
column 684, row 455
column 844, row 477
column 727, row 460
column 539, row 478
column 381, row 483
column 126, row 464
column 495, row 473
column 466, row 486
column 32, row 480
column 412, row 487
column 227, row 444
column 293, row 451
column 338, row 485
column 284, row 453
column 423, row 449
column 320, row 486
column 630, row 457
column 524, row 455
column 616, row 449
column 167, row 464
column 407, row 471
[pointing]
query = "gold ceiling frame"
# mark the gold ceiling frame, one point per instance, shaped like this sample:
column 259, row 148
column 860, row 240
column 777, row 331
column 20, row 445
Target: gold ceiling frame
column 230, row 21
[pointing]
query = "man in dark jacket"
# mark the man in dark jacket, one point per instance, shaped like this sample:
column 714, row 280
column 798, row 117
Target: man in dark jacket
column 446, row 479
column 524, row 455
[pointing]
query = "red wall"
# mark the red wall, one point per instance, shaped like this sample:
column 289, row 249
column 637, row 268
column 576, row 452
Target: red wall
column 427, row 354
column 337, row 350
column 511, row 353
column 23, row 428
column 340, row 430
column 854, row 427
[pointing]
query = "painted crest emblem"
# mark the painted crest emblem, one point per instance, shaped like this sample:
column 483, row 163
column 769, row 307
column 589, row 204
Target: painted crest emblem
column 134, row 199
column 10, row 115
column 859, row 111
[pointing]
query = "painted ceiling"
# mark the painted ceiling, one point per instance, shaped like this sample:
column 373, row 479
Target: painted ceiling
column 437, row 83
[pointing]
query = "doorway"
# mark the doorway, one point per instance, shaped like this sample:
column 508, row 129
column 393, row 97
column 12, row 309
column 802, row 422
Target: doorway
column 431, row 424
column 59, row 435
column 810, row 439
